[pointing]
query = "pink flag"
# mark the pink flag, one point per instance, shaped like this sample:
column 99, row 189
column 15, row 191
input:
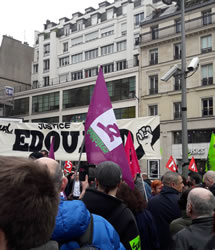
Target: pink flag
column 132, row 156
column 51, row 150
column 192, row 165
column 102, row 137
column 171, row 165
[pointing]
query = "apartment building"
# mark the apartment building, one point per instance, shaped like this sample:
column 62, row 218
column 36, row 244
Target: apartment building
column 160, row 50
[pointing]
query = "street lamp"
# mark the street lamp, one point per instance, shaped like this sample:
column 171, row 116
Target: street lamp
column 185, row 162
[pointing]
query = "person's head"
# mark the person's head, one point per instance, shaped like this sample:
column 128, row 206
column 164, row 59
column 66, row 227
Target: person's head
column 200, row 202
column 36, row 155
column 194, row 178
column 108, row 177
column 132, row 198
column 209, row 178
column 183, row 199
column 173, row 180
column 156, row 186
column 44, row 152
column 56, row 173
column 29, row 204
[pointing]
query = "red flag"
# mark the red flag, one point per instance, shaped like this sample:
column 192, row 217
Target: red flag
column 132, row 156
column 192, row 165
column 171, row 165
column 68, row 167
column 51, row 150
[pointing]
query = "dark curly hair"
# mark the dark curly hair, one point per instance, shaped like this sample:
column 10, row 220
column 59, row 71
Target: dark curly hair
column 132, row 198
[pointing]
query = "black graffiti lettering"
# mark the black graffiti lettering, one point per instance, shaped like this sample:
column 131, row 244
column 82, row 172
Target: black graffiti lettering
column 36, row 135
column 6, row 129
column 74, row 134
column 56, row 141
column 20, row 144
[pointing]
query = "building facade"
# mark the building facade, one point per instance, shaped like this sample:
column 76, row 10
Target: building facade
column 161, row 50
column 15, row 71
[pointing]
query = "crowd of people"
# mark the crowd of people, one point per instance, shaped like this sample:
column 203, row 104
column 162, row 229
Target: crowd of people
column 44, row 209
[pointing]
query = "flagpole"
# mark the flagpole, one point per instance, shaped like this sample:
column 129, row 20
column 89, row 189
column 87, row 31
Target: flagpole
column 79, row 162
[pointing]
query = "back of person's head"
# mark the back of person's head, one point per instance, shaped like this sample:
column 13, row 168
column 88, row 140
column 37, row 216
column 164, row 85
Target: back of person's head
column 132, row 198
column 108, row 175
column 183, row 199
column 170, row 177
column 209, row 177
column 156, row 186
column 36, row 155
column 200, row 202
column 55, row 170
column 195, row 178
column 29, row 203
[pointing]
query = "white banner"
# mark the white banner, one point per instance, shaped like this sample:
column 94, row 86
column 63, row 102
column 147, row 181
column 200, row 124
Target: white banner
column 21, row 139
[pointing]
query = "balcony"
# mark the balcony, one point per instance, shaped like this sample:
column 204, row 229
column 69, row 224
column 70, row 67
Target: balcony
column 207, row 111
column 191, row 25
column 153, row 91
column 207, row 81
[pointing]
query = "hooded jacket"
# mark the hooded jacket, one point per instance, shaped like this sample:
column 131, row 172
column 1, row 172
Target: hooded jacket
column 72, row 221
column 117, row 213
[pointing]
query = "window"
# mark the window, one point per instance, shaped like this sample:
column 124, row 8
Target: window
column 105, row 50
column 77, row 58
column 206, row 17
column 75, row 118
column 91, row 36
column 77, row 40
column 66, row 30
column 177, row 51
column 123, row 29
column 125, row 113
column 64, row 61
column 65, row 47
column 136, row 41
column 207, row 74
column 177, row 85
column 21, row 106
column 46, row 65
column 91, row 72
column 154, row 31
column 206, row 44
column 63, row 78
column 46, row 49
column 178, row 26
column 46, row 81
column 153, row 169
column 153, row 56
column 109, row 13
column 122, row 89
column 80, row 25
column 35, row 68
column 153, row 110
column 177, row 110
column 207, row 107
column 136, row 60
column 35, row 84
column 90, row 54
column 108, row 68
column 77, row 75
column 138, row 18
column 106, row 33
column 153, row 80
column 121, row 65
column 121, row 45
column 44, row 103
column 54, row 119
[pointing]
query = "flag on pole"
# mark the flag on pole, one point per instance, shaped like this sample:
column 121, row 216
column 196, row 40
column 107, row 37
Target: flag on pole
column 171, row 165
column 132, row 156
column 67, row 167
column 102, row 137
column 192, row 165
column 51, row 150
column 210, row 164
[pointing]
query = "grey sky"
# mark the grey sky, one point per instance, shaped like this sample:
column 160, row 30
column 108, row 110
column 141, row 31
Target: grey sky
column 21, row 18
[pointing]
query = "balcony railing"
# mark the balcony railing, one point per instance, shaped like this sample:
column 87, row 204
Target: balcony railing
column 207, row 111
column 153, row 91
column 168, row 31
column 207, row 81
column 177, row 115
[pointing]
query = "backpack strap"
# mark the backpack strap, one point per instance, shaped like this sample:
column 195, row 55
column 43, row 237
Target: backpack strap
column 87, row 237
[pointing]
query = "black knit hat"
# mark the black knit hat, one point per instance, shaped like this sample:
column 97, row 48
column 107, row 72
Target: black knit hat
column 108, row 174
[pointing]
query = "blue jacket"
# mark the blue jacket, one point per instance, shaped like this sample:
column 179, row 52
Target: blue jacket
column 72, row 221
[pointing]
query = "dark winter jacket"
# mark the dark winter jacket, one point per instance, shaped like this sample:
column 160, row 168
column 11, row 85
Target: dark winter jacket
column 117, row 213
column 164, row 208
column 196, row 236
column 148, row 231
column 72, row 221
column 212, row 189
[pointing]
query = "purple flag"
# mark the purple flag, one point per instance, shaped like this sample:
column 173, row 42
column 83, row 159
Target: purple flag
column 51, row 150
column 102, row 136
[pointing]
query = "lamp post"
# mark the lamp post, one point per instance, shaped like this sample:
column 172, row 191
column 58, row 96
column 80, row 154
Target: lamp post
column 185, row 162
